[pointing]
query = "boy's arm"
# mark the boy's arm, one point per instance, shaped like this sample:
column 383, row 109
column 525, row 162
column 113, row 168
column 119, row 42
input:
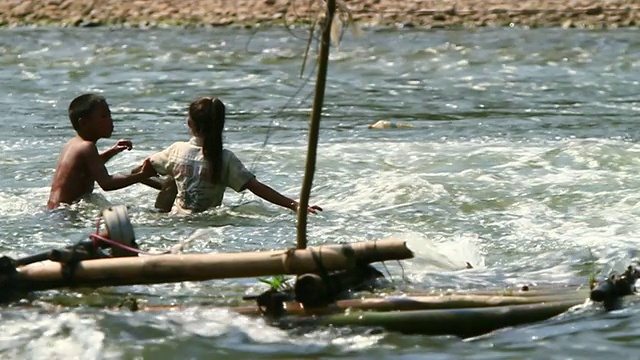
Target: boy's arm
column 161, row 164
column 151, row 182
column 275, row 197
column 107, row 182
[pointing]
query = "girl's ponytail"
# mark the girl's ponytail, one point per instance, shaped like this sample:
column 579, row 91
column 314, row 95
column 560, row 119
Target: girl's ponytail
column 208, row 115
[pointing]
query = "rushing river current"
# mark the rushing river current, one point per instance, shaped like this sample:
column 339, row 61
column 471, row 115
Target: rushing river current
column 522, row 160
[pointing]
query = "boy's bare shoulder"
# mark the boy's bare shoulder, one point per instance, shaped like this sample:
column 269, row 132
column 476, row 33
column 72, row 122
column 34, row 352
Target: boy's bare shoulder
column 78, row 150
column 80, row 145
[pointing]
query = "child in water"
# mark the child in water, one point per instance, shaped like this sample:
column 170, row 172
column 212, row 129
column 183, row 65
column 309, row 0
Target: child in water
column 200, row 170
column 80, row 165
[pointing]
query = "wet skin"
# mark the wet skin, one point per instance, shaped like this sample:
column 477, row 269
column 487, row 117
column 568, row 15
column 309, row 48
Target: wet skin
column 80, row 165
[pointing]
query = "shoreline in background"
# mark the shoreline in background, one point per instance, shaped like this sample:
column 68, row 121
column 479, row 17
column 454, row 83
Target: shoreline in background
column 367, row 13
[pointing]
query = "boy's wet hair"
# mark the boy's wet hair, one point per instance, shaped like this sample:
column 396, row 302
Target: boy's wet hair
column 83, row 106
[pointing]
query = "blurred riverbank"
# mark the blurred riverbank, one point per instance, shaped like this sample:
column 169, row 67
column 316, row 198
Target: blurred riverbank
column 405, row 13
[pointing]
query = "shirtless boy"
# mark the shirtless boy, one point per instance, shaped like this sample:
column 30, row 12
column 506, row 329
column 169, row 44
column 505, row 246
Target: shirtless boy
column 80, row 165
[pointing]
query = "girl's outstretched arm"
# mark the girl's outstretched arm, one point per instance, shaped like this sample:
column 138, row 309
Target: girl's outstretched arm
column 275, row 197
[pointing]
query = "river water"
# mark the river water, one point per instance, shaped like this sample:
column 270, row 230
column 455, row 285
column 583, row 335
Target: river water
column 522, row 160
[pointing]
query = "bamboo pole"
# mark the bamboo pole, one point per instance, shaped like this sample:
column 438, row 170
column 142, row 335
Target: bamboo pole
column 454, row 301
column 413, row 303
column 199, row 267
column 464, row 317
column 314, row 129
column 533, row 291
column 408, row 303
column 460, row 322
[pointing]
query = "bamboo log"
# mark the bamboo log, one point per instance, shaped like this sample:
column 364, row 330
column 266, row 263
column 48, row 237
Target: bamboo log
column 455, row 317
column 419, row 303
column 532, row 291
column 425, row 302
column 199, row 267
column 453, row 301
column 460, row 322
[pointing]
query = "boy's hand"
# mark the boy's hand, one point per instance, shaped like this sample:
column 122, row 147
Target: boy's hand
column 122, row 145
column 119, row 147
column 147, row 168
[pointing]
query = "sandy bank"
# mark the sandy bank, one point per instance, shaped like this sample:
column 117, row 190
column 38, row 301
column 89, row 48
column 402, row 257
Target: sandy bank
column 418, row 13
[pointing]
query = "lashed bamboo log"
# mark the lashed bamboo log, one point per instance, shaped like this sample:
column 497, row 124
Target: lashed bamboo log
column 454, row 301
column 464, row 322
column 537, row 290
column 199, row 267
column 409, row 303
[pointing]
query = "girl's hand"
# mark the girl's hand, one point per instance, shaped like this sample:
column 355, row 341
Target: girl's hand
column 311, row 209
column 314, row 209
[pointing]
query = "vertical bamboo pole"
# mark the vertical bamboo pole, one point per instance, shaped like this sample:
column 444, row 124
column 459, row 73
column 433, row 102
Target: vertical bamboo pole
column 314, row 128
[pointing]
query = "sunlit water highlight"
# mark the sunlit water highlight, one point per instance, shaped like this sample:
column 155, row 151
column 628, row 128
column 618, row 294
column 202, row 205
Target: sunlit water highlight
column 522, row 161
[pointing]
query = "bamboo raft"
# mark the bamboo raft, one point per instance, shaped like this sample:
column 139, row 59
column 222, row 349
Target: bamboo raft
column 459, row 314
column 327, row 278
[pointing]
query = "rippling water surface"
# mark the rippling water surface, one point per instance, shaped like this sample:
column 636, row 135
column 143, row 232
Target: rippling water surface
column 523, row 161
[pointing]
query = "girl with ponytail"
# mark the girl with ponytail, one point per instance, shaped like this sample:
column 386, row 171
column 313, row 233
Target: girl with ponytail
column 200, row 170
